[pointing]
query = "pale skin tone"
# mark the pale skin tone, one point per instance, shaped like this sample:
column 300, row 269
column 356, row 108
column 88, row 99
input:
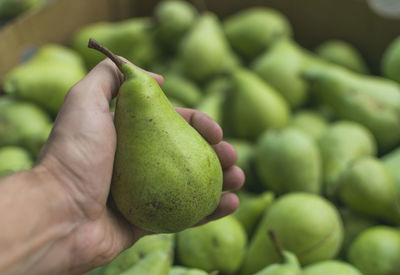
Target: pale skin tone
column 54, row 217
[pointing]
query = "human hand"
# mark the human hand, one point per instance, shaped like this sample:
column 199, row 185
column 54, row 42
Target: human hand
column 79, row 155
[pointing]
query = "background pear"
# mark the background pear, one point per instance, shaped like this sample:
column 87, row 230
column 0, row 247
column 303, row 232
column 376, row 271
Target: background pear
column 181, row 89
column 353, row 224
column 342, row 143
column 253, row 106
column 372, row 101
column 391, row 61
column 254, row 30
column 204, row 51
column 246, row 156
column 23, row 124
column 392, row 164
column 14, row 159
column 157, row 185
column 288, row 160
column 376, row 251
column 305, row 224
column 310, row 122
column 174, row 18
column 251, row 209
column 156, row 263
column 289, row 264
column 46, row 78
column 217, row 245
column 281, row 67
column 11, row 8
column 131, row 38
column 140, row 250
column 181, row 270
column 343, row 54
column 368, row 188
column 331, row 268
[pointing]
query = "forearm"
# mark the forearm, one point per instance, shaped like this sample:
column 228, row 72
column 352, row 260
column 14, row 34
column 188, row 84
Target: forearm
column 36, row 220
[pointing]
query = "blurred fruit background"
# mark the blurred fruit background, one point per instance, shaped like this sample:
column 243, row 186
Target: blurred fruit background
column 307, row 92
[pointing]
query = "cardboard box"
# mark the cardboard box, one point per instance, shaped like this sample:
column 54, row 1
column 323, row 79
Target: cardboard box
column 313, row 21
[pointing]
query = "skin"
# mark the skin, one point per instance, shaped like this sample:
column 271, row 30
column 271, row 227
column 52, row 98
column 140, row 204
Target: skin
column 60, row 208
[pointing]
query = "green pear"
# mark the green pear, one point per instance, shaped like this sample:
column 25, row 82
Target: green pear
column 96, row 271
column 131, row 38
column 289, row 264
column 246, row 153
column 376, row 251
column 310, row 122
column 23, row 124
column 371, row 101
column 342, row 143
column 306, row 224
column 217, row 245
column 391, row 61
column 331, row 268
column 288, row 160
column 14, row 159
column 176, row 103
column 392, row 163
column 204, row 50
column 353, row 224
column 253, row 106
column 181, row 89
column 58, row 54
column 343, row 54
column 166, row 177
column 12, row 8
column 156, row 263
column 46, row 78
column 251, row 209
column 181, row 270
column 281, row 67
column 367, row 187
column 212, row 105
column 174, row 18
column 254, row 30
column 142, row 248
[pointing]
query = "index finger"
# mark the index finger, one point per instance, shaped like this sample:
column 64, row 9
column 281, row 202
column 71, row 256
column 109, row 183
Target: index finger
column 204, row 124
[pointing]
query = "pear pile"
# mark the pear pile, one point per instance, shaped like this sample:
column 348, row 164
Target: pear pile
column 317, row 135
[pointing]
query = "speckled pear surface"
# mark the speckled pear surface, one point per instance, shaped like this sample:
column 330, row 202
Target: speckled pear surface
column 166, row 176
column 305, row 224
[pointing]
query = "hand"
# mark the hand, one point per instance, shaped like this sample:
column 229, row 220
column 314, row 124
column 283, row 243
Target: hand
column 79, row 155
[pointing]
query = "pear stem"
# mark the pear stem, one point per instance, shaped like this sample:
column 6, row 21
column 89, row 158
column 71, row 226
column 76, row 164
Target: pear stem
column 276, row 243
column 93, row 44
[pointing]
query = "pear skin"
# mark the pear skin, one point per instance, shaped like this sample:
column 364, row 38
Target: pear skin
column 166, row 177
